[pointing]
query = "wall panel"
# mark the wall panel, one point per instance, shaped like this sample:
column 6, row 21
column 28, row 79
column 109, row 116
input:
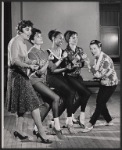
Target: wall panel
column 82, row 17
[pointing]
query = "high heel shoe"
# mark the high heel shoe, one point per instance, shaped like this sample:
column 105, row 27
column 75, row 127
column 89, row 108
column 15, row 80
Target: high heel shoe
column 58, row 133
column 21, row 137
column 81, row 125
column 37, row 134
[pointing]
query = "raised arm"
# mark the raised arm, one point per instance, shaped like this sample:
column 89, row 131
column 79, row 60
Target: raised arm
column 43, row 64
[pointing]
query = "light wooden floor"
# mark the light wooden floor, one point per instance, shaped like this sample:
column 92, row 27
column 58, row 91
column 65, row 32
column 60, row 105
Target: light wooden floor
column 99, row 137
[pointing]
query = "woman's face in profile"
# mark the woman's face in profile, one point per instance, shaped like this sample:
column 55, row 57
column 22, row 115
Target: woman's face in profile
column 95, row 50
column 38, row 39
column 26, row 33
column 73, row 39
column 59, row 39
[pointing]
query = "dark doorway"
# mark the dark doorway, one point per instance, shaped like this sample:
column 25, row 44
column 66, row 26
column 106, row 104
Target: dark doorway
column 7, row 37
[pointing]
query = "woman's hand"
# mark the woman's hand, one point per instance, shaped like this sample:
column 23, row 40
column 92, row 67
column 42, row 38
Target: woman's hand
column 96, row 79
column 34, row 67
column 41, row 62
column 40, row 72
column 64, row 54
column 76, row 65
column 84, row 56
column 35, row 62
column 104, row 82
column 69, row 67
column 87, row 61
column 50, row 57
column 97, row 75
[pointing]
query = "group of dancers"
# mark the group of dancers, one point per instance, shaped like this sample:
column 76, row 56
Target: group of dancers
column 33, row 73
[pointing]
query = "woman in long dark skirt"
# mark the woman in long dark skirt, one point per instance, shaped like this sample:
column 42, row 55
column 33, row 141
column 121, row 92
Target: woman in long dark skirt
column 21, row 96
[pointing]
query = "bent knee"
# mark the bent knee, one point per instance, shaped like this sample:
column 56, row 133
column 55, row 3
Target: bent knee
column 47, row 105
column 87, row 93
column 57, row 99
column 71, row 93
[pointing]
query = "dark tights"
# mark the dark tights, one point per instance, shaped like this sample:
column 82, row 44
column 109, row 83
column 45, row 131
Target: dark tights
column 83, row 92
column 65, row 91
column 48, row 95
column 44, row 110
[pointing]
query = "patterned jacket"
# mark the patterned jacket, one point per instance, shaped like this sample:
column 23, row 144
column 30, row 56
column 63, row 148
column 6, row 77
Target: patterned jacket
column 104, row 69
column 75, row 57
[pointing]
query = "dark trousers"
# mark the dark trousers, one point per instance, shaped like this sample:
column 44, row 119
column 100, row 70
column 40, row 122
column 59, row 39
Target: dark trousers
column 103, row 96
column 64, row 90
column 83, row 92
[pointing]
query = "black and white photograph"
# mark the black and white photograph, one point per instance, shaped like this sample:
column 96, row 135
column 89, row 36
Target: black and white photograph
column 60, row 74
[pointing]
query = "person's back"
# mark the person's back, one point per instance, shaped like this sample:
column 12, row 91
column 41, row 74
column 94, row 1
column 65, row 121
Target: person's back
column 9, row 49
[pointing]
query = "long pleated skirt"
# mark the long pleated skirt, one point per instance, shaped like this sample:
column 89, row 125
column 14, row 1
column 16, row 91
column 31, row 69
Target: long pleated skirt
column 21, row 96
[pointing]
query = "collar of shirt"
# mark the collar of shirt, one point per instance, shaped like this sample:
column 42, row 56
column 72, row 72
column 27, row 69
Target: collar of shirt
column 70, row 50
column 98, row 61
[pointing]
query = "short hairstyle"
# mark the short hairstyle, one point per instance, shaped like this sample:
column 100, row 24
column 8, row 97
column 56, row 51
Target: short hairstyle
column 53, row 33
column 23, row 24
column 33, row 33
column 98, row 43
column 68, row 34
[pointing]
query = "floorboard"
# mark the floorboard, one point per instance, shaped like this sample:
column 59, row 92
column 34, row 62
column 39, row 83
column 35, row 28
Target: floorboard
column 99, row 137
